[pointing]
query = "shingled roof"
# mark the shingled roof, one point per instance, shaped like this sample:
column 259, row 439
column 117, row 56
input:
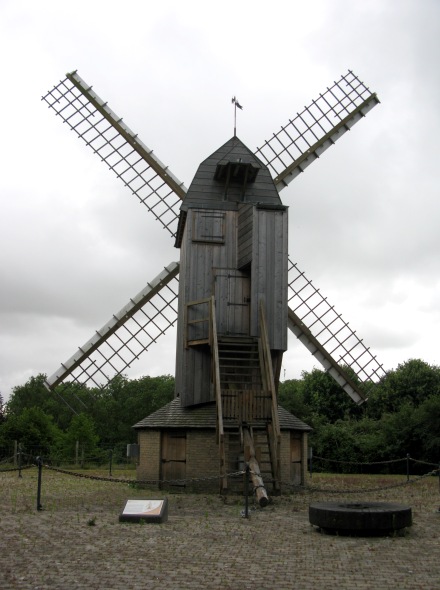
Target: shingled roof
column 228, row 177
column 173, row 415
column 208, row 186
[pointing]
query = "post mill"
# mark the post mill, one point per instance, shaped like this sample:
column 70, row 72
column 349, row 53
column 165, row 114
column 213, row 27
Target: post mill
column 238, row 292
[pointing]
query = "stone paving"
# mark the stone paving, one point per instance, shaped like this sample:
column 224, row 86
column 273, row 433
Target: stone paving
column 78, row 542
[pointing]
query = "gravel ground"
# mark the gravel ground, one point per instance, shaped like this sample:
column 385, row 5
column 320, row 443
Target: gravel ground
column 76, row 541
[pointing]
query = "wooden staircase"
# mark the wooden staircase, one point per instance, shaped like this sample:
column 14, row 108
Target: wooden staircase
column 241, row 381
column 239, row 360
column 244, row 388
column 246, row 398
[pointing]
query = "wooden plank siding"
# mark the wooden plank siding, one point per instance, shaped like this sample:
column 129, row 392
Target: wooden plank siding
column 173, row 457
column 245, row 224
column 233, row 246
column 269, row 274
column 256, row 235
column 246, row 405
column 201, row 259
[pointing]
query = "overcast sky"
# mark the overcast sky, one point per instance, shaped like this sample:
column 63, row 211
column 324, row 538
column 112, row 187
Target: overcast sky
column 363, row 219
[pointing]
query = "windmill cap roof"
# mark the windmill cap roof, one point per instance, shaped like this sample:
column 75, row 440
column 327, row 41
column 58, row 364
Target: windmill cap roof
column 248, row 181
column 231, row 176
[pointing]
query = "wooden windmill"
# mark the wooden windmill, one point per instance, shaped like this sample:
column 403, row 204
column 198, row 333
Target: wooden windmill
column 238, row 292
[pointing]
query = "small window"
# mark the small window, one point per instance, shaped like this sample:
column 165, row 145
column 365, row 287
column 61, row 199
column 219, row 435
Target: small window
column 209, row 226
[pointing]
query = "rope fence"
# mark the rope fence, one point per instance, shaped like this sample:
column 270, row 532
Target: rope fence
column 39, row 463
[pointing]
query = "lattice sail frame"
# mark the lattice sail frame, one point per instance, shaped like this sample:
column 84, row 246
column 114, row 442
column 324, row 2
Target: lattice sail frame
column 126, row 336
column 328, row 337
column 287, row 154
column 318, row 126
column 124, row 153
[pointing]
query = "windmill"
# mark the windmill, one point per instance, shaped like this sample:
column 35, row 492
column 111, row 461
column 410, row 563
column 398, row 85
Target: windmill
column 238, row 291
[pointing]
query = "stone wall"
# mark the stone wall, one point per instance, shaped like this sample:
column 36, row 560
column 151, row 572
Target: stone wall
column 148, row 467
column 202, row 459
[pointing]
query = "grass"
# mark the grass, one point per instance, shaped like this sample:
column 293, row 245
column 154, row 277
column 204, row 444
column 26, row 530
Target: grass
column 65, row 492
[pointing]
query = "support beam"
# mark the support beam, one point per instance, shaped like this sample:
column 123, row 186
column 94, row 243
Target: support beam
column 257, row 480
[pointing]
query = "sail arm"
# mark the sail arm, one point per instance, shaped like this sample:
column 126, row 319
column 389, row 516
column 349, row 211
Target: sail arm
column 323, row 331
column 126, row 335
column 117, row 146
column 304, row 335
column 309, row 156
column 318, row 126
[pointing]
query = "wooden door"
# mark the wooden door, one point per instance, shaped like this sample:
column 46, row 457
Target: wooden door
column 173, row 456
column 295, row 459
column 232, row 300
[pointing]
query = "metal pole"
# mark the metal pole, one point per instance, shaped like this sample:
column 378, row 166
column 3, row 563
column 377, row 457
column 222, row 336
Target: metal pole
column 438, row 482
column 40, row 469
column 110, row 462
column 19, row 460
column 407, row 466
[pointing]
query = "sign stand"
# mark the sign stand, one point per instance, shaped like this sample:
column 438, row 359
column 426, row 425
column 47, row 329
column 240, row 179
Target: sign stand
column 148, row 511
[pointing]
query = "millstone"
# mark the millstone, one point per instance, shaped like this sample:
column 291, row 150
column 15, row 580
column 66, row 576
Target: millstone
column 361, row 518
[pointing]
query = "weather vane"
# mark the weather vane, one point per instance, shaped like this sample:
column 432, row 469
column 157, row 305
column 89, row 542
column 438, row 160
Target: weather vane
column 237, row 105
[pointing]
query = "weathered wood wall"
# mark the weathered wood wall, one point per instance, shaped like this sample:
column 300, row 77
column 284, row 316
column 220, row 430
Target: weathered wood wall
column 240, row 256
column 269, row 273
column 209, row 245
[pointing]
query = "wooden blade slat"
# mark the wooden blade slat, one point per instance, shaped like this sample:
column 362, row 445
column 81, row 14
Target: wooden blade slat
column 299, row 143
column 330, row 339
column 128, row 334
column 119, row 148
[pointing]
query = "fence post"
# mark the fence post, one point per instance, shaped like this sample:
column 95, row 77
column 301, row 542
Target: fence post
column 15, row 452
column 310, row 454
column 110, row 462
column 407, row 466
column 19, row 460
column 40, row 469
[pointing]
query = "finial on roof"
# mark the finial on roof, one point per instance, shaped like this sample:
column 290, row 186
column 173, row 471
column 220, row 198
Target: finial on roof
column 237, row 105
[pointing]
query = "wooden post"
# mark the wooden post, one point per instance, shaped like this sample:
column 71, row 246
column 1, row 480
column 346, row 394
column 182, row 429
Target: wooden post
column 218, row 393
column 257, row 480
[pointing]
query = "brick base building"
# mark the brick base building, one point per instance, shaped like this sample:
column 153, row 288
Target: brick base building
column 178, row 448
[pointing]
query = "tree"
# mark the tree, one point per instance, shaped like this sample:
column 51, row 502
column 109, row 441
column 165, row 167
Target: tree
column 81, row 430
column 413, row 381
column 61, row 404
column 291, row 398
column 2, row 410
column 33, row 428
column 427, row 428
column 124, row 402
column 326, row 398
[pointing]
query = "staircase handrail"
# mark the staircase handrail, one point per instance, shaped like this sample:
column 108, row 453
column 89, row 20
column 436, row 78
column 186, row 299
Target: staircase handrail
column 216, row 364
column 268, row 369
column 217, row 390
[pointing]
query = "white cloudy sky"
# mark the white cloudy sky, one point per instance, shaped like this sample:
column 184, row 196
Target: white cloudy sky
column 363, row 219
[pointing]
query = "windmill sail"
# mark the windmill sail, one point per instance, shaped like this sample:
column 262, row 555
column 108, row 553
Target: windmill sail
column 316, row 128
column 327, row 336
column 126, row 336
column 153, row 311
column 130, row 159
